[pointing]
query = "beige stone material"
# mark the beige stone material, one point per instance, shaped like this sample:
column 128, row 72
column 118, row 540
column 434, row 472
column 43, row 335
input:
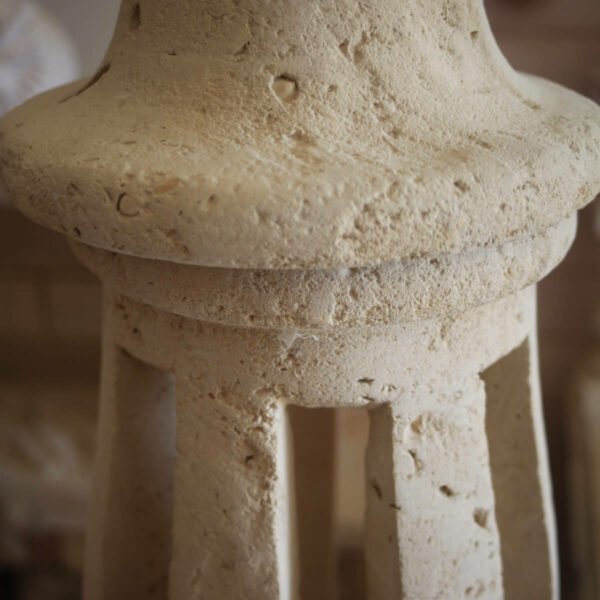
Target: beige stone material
column 391, row 292
column 406, row 135
column 132, row 501
column 431, row 499
column 515, row 433
column 365, row 195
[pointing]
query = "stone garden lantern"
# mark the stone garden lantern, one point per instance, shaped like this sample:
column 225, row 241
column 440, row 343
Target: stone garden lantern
column 321, row 204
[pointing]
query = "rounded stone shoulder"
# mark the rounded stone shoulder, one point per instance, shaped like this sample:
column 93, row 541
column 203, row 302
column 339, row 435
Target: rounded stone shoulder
column 246, row 150
column 294, row 299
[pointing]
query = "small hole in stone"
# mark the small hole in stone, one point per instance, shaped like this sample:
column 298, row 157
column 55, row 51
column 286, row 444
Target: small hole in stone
column 532, row 105
column 461, row 185
column 417, row 462
column 123, row 209
column 285, row 88
column 480, row 516
column 243, row 49
column 444, row 489
column 344, row 48
column 136, row 17
column 474, row 35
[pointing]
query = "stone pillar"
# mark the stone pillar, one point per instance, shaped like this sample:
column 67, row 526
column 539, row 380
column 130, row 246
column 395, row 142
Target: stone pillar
column 128, row 546
column 315, row 206
column 455, row 429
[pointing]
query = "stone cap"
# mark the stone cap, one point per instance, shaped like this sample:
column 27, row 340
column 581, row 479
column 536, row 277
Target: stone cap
column 277, row 135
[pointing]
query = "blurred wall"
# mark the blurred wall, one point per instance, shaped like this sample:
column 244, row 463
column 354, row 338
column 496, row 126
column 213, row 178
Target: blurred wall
column 556, row 39
column 90, row 24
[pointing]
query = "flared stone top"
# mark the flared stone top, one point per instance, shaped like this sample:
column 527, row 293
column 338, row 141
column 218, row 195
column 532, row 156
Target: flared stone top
column 301, row 134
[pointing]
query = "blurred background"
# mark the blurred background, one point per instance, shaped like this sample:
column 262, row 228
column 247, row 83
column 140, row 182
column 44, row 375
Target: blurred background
column 50, row 325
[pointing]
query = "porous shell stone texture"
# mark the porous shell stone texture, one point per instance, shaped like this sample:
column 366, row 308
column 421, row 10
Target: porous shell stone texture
column 275, row 134
column 389, row 293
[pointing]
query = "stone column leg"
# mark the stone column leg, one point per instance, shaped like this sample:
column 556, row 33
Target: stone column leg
column 431, row 530
column 520, row 474
column 314, row 433
column 129, row 537
column 232, row 535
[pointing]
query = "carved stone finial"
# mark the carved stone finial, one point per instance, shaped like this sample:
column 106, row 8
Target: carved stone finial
column 290, row 135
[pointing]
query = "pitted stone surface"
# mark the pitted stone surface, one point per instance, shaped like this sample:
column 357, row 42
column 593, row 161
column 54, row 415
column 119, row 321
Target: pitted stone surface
column 390, row 293
column 302, row 135
column 361, row 191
